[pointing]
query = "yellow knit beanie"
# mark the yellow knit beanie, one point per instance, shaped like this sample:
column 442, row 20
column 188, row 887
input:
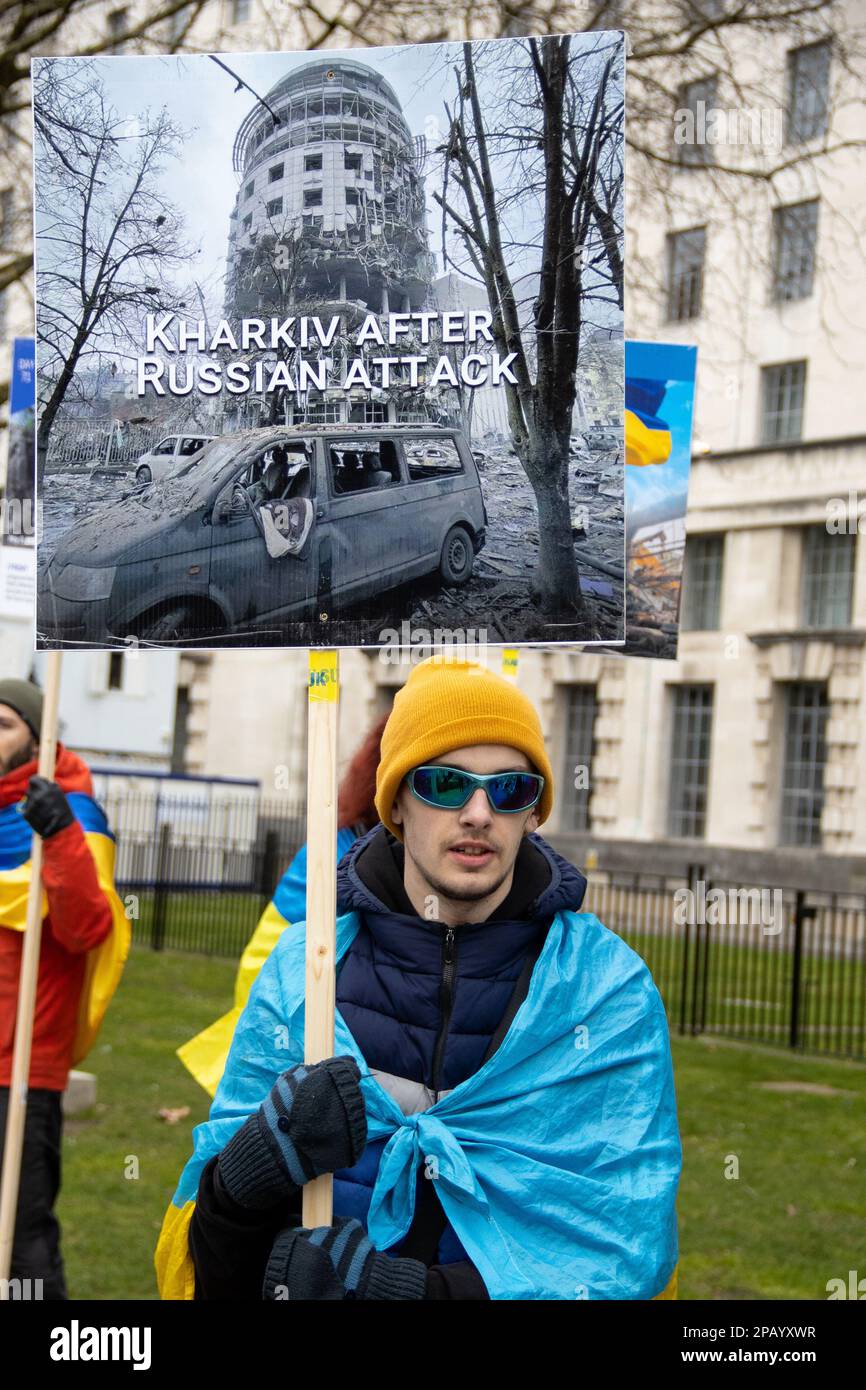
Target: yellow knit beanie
column 447, row 703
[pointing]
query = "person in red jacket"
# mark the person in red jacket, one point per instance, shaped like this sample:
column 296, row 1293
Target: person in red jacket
column 79, row 919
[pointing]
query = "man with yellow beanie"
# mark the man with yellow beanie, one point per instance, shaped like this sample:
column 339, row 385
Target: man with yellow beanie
column 500, row 1120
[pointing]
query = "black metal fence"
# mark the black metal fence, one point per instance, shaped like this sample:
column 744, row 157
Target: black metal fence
column 197, row 871
column 777, row 965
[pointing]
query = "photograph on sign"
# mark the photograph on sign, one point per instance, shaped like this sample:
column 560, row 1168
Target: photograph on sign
column 342, row 349
column 17, row 509
column 659, row 410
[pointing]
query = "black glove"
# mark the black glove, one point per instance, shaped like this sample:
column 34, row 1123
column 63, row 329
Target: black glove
column 338, row 1261
column 45, row 807
column 312, row 1122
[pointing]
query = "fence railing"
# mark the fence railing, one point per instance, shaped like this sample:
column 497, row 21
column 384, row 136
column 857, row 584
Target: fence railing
column 84, row 442
column 769, row 965
column 782, row 965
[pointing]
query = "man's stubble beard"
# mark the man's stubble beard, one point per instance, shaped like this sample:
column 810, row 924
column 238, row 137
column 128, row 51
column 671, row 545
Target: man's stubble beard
column 467, row 895
column 23, row 755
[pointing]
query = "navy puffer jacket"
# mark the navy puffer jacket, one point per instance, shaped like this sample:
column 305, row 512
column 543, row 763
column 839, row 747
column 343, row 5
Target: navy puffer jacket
column 427, row 1005
column 424, row 1002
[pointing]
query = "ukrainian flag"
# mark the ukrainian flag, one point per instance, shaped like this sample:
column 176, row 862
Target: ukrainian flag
column 647, row 436
column 104, row 963
column 204, row 1056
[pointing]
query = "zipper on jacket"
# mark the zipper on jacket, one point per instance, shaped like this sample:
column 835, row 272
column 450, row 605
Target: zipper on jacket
column 446, row 997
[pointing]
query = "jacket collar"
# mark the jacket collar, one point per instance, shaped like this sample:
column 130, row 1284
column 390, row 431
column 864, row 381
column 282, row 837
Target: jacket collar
column 370, row 880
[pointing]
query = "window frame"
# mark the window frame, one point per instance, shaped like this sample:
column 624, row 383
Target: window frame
column 818, row 596
column 786, row 438
column 789, row 817
column 673, row 238
column 705, row 155
column 346, row 435
column 779, row 215
column 691, row 607
column 677, row 814
column 793, row 132
column 574, row 812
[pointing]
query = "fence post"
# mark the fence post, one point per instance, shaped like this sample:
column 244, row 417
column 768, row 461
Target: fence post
column 160, row 897
column 268, row 874
column 695, row 872
column 802, row 914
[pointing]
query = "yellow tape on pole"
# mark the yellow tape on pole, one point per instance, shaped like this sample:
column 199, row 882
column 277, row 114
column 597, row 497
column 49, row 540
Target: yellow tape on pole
column 509, row 662
column 323, row 696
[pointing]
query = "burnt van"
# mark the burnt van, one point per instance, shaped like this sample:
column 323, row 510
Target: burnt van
column 265, row 528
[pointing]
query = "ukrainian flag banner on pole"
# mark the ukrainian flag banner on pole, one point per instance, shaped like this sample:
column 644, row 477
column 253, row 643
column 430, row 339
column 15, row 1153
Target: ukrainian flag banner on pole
column 104, row 963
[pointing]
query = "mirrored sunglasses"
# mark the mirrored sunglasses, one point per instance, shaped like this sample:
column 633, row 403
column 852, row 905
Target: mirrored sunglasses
column 449, row 788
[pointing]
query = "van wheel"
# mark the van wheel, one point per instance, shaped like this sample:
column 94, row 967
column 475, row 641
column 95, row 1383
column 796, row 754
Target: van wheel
column 144, row 474
column 171, row 625
column 458, row 553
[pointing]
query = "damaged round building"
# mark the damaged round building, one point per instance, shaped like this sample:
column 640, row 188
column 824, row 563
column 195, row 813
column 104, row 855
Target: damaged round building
column 329, row 219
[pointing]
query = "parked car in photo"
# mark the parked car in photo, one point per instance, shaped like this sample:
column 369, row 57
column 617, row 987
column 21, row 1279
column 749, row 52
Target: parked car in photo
column 264, row 528
column 167, row 454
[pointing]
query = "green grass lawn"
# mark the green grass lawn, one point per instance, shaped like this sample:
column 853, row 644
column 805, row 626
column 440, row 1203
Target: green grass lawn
column 791, row 1221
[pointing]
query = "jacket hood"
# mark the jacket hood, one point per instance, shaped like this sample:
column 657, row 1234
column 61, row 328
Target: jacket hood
column 71, row 774
column 369, row 879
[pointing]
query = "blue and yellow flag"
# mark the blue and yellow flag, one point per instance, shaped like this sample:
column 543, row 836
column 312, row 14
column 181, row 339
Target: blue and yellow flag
column 557, row 1163
column 647, row 436
column 204, row 1056
column 104, row 963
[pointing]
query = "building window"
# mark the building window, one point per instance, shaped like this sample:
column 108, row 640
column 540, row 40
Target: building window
column 696, row 101
column 247, row 222
column 319, row 413
column 241, row 11
column 352, row 197
column 580, row 711
column 312, row 163
column 115, row 671
column 353, row 161
column 702, row 583
column 828, row 577
column 805, row 757
column 275, row 207
column 808, row 91
column 794, row 234
column 690, row 760
column 312, row 197
column 275, row 173
column 685, row 273
column 250, row 188
column 783, row 390
column 118, row 24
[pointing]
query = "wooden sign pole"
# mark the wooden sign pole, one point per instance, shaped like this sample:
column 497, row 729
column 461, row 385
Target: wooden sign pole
column 323, row 695
column 17, row 1109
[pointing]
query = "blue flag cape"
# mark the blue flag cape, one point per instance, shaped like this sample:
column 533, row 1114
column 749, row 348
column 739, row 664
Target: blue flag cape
column 105, row 962
column 557, row 1163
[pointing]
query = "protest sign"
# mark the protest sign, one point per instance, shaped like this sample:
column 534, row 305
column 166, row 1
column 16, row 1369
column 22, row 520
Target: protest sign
column 353, row 365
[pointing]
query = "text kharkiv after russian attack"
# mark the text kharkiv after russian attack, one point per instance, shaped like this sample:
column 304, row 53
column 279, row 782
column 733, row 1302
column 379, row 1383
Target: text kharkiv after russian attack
column 210, row 373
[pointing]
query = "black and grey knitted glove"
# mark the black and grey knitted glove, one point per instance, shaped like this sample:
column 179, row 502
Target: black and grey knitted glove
column 45, row 807
column 338, row 1261
column 312, row 1122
